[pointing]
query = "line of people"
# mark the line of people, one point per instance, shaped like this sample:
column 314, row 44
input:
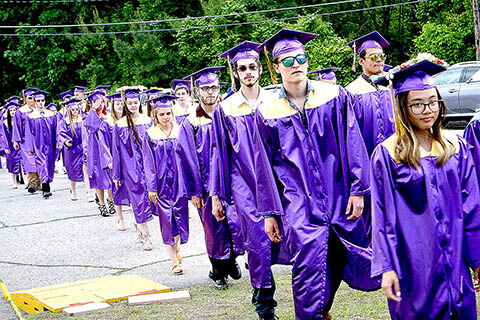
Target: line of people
column 359, row 184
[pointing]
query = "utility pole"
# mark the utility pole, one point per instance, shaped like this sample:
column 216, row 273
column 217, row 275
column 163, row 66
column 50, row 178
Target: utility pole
column 476, row 26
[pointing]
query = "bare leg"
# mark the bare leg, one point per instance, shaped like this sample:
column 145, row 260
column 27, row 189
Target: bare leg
column 147, row 242
column 90, row 196
column 101, row 196
column 14, row 180
column 73, row 190
column 110, row 195
column 121, row 222
column 172, row 253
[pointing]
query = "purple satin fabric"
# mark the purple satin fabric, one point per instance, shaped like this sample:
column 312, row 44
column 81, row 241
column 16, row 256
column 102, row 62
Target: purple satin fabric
column 14, row 158
column 233, row 180
column 40, row 138
column 96, row 137
column 193, row 148
column 161, row 175
column 18, row 135
column 426, row 227
column 305, row 176
column 73, row 156
column 128, row 168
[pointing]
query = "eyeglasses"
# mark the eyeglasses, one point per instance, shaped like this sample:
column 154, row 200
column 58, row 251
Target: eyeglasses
column 74, row 109
column 290, row 61
column 376, row 56
column 29, row 97
column 209, row 88
column 419, row 107
column 252, row 67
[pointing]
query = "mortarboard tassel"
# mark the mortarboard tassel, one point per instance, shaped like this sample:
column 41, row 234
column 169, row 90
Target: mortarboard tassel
column 269, row 65
column 192, row 93
column 354, row 65
column 230, row 69
column 23, row 96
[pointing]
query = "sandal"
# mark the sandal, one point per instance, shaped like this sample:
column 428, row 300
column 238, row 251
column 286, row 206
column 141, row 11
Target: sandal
column 111, row 207
column 177, row 269
column 147, row 243
column 103, row 210
column 179, row 257
column 121, row 225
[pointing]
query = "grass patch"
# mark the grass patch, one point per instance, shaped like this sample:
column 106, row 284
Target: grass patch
column 210, row 304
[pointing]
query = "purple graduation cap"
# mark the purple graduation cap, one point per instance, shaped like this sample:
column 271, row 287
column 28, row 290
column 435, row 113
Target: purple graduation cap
column 326, row 74
column 153, row 92
column 245, row 50
column 103, row 88
column 29, row 91
column 15, row 99
column 132, row 94
column 205, row 76
column 12, row 105
column 95, row 95
column 164, row 101
column 179, row 84
column 372, row 40
column 65, row 95
column 115, row 97
column 287, row 40
column 40, row 94
column 72, row 102
column 78, row 89
column 52, row 106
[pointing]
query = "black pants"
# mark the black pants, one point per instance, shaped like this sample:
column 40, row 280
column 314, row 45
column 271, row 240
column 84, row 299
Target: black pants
column 221, row 268
column 46, row 187
column 264, row 302
column 337, row 260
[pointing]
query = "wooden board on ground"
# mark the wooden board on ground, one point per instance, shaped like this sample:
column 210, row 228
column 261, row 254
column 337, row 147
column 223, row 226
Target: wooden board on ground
column 89, row 307
column 159, row 297
column 107, row 289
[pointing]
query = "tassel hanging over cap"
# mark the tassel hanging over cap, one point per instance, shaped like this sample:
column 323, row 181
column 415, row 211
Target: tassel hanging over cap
column 270, row 68
column 354, row 65
column 232, row 77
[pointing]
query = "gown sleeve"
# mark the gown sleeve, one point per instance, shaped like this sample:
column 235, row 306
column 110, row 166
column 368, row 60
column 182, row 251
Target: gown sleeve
column 149, row 164
column 190, row 182
column 219, row 166
column 384, row 237
column 117, row 163
column 29, row 135
column 267, row 195
column 16, row 127
column 471, row 206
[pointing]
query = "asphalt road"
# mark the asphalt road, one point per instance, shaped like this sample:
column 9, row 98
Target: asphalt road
column 53, row 241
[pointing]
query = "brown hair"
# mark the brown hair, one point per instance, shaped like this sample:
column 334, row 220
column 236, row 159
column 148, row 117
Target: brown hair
column 114, row 113
column 155, row 120
column 407, row 148
column 128, row 115
column 70, row 119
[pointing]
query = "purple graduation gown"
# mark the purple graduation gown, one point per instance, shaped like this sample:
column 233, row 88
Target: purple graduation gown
column 41, row 139
column 161, row 175
column 426, row 227
column 306, row 170
column 232, row 178
column 120, row 194
column 18, row 135
column 73, row 156
column 14, row 158
column 193, row 148
column 128, row 165
column 179, row 113
column 96, row 140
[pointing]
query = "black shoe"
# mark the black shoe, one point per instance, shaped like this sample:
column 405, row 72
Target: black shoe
column 46, row 194
column 221, row 284
column 97, row 201
column 269, row 317
column 246, row 265
column 254, row 296
column 235, row 272
column 32, row 189
column 111, row 207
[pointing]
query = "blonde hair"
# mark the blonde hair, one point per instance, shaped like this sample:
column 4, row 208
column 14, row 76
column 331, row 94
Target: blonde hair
column 407, row 149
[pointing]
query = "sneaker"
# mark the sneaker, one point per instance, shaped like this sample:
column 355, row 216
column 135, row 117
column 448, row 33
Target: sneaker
column 221, row 284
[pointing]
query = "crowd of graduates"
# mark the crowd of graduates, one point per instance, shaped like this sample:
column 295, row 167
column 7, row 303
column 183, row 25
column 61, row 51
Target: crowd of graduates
column 360, row 184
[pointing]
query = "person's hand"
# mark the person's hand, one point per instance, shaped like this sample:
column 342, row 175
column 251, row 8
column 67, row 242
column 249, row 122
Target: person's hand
column 116, row 183
column 197, row 202
column 68, row 144
column 354, row 207
column 8, row 151
column 59, row 146
column 476, row 283
column 110, row 166
column 389, row 281
column 272, row 229
column 16, row 146
column 30, row 153
column 152, row 196
column 217, row 209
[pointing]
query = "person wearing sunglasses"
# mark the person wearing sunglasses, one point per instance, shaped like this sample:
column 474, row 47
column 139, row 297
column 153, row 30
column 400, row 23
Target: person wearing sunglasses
column 223, row 238
column 233, row 163
column 41, row 141
column 18, row 138
column 311, row 174
column 426, row 213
